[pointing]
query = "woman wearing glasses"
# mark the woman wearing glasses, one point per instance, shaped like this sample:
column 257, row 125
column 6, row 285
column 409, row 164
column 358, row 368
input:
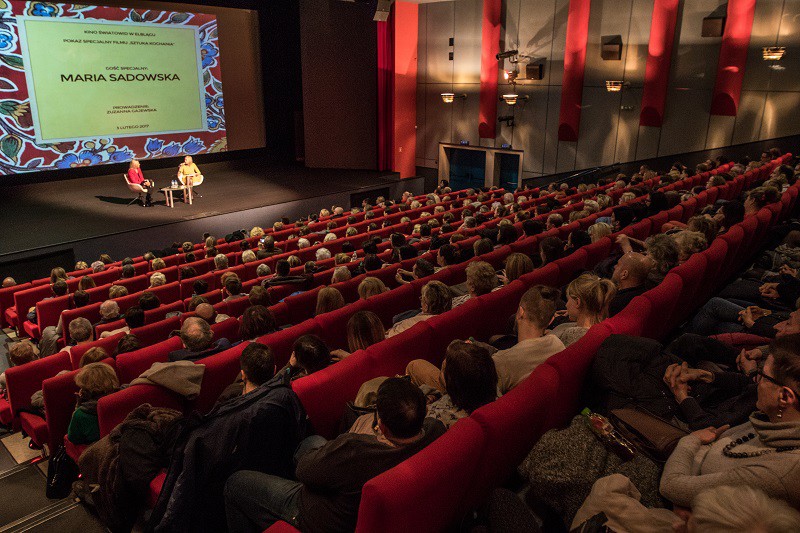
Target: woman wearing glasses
column 763, row 453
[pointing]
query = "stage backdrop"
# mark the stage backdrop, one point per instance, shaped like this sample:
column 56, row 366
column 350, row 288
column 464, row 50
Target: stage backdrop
column 86, row 85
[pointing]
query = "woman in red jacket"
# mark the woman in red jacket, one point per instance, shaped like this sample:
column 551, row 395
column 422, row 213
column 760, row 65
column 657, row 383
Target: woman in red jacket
column 135, row 176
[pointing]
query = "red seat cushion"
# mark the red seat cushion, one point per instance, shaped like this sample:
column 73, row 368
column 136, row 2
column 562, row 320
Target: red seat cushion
column 5, row 412
column 155, row 489
column 74, row 450
column 282, row 527
column 35, row 426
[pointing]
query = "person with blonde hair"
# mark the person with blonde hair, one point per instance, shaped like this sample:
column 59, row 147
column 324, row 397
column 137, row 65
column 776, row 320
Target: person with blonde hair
column 57, row 274
column 92, row 355
column 248, row 256
column 342, row 258
column 481, row 279
column 340, row 274
column 740, row 508
column 371, row 286
column 598, row 230
column 516, row 266
column 81, row 265
column 157, row 279
column 220, row 262
column 257, row 231
column 117, row 291
column 588, row 298
column 95, row 380
column 689, row 243
column 626, row 197
column 157, row 264
column 86, row 283
column 329, row 299
column 322, row 254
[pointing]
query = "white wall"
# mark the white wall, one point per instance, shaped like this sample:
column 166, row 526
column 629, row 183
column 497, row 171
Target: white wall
column 768, row 107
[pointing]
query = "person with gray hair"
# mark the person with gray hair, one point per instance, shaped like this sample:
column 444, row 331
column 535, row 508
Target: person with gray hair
column 109, row 312
column 303, row 243
column 98, row 266
column 220, row 262
column 341, row 273
column 248, row 256
column 322, row 254
column 263, row 270
column 80, row 332
column 198, row 341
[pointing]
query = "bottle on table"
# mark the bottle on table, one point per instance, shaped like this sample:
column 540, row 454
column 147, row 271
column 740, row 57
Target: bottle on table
column 609, row 436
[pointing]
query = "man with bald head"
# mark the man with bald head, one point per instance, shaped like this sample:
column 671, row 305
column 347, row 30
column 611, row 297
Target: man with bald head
column 207, row 312
column 630, row 275
column 109, row 312
column 198, row 341
column 8, row 282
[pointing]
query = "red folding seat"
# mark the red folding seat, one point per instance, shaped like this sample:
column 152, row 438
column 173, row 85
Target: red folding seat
column 633, row 318
column 8, row 313
column 109, row 275
column 775, row 210
column 496, row 258
column 512, row 425
column 47, row 314
column 433, row 483
column 276, row 294
column 302, row 306
column 221, row 370
column 689, row 208
column 24, row 300
column 282, row 341
column 663, row 300
column 24, row 380
column 135, row 284
column 750, row 229
column 325, row 393
column 387, row 275
column 391, row 303
column 658, row 220
column 59, row 403
column 571, row 266
column 171, row 292
column 526, row 245
column 693, row 275
column 498, row 306
column 280, row 312
column 734, row 238
column 131, row 365
column 227, row 329
column 112, row 409
column 333, row 326
column 157, row 331
column 237, row 307
column 716, row 256
column 597, row 251
column 187, row 285
column 109, row 344
column 572, row 365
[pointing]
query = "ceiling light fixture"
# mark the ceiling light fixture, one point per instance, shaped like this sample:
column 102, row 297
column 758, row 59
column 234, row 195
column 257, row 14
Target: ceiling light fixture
column 614, row 86
column 448, row 98
column 773, row 53
column 512, row 98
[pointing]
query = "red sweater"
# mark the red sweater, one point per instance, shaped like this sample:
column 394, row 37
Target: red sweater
column 135, row 175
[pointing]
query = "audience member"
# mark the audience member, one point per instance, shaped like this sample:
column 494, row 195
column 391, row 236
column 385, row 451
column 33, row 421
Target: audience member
column 95, row 380
column 198, row 341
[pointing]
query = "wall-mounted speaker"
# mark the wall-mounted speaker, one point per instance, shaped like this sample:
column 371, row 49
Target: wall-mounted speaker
column 534, row 71
column 611, row 47
column 382, row 10
column 714, row 22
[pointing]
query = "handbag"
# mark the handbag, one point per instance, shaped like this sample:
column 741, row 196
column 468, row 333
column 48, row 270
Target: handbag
column 61, row 473
column 650, row 434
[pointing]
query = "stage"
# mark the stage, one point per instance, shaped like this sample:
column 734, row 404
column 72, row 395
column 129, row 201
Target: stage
column 86, row 216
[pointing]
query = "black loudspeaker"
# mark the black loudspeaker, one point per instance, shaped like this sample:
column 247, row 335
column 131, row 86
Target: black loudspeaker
column 713, row 26
column 611, row 47
column 382, row 10
column 534, row 71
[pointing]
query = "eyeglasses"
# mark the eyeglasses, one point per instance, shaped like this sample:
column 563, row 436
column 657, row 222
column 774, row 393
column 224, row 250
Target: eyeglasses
column 760, row 374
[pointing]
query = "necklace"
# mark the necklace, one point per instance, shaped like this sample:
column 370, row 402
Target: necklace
column 728, row 449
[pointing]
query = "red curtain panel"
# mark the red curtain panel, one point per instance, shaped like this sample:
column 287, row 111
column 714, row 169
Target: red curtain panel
column 406, row 18
column 659, row 57
column 385, row 93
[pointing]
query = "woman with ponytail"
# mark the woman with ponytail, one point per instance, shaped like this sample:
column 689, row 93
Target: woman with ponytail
column 588, row 297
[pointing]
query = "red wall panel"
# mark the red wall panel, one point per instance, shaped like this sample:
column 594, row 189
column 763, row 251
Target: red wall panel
column 733, row 57
column 406, row 20
column 490, row 46
column 659, row 58
column 569, row 119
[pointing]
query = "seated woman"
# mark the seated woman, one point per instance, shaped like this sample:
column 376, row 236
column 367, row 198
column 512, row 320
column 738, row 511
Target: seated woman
column 256, row 321
column 371, row 286
column 95, row 380
column 516, row 266
column 763, row 453
column 329, row 299
column 136, row 177
column 588, row 297
column 363, row 330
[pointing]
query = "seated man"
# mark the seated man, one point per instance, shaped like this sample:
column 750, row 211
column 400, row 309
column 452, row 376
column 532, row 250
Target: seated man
column 232, row 289
column 282, row 277
column 198, row 342
column 481, row 279
column 630, row 275
column 134, row 318
column 309, row 354
column 330, row 475
column 59, row 288
column 207, row 312
column 80, row 332
column 109, row 312
column 257, row 367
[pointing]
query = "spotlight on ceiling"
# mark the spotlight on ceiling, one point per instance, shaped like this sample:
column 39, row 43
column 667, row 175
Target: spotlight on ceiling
column 614, row 86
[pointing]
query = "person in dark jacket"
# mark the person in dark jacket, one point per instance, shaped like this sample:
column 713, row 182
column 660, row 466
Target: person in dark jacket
column 331, row 474
column 258, row 431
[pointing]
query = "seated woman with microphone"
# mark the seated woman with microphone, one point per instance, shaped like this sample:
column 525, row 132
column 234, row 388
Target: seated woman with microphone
column 136, row 176
column 189, row 171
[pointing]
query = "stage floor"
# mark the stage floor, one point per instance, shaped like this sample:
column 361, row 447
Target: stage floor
column 49, row 214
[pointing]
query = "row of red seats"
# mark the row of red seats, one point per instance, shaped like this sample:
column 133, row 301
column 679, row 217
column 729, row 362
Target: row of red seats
column 455, row 473
column 342, row 380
